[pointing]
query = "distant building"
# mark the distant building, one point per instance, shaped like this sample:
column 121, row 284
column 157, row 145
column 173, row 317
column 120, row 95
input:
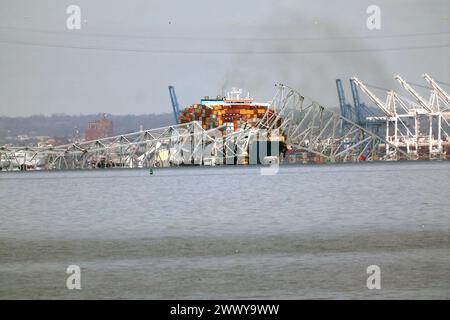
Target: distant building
column 99, row 129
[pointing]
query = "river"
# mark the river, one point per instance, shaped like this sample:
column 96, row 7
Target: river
column 308, row 232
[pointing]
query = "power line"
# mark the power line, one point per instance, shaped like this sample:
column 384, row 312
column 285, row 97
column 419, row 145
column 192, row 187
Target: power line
column 376, row 87
column 249, row 52
column 419, row 85
column 426, row 87
column 159, row 37
column 443, row 83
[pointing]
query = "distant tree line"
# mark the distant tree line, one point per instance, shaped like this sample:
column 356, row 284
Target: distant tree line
column 62, row 125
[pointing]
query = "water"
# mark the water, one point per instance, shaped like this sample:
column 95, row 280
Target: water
column 224, row 233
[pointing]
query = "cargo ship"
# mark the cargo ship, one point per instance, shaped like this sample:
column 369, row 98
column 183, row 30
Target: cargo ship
column 232, row 111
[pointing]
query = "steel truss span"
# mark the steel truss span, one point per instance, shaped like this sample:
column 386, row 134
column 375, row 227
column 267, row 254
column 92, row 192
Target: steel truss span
column 324, row 134
column 184, row 144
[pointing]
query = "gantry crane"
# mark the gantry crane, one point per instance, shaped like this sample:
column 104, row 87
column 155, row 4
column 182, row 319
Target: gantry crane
column 439, row 94
column 175, row 105
column 347, row 110
column 363, row 112
column 397, row 114
column 433, row 112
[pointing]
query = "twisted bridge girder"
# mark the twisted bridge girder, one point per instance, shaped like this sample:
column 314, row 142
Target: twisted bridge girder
column 184, row 144
column 310, row 127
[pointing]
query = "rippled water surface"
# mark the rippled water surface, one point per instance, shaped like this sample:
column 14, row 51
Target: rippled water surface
column 223, row 233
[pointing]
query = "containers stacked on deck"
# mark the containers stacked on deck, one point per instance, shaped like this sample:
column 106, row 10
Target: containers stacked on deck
column 232, row 111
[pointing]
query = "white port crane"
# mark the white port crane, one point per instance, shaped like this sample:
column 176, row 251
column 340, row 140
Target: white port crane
column 417, row 96
column 397, row 131
column 433, row 111
column 438, row 92
column 374, row 98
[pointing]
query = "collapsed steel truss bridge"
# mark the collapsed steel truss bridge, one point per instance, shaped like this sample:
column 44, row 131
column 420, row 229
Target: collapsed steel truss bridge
column 298, row 122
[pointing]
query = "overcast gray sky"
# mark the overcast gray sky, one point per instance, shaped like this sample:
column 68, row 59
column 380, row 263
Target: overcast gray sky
column 128, row 52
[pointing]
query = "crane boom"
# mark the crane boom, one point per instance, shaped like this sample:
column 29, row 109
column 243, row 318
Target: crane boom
column 374, row 98
column 340, row 91
column 355, row 94
column 357, row 102
column 444, row 95
column 175, row 105
column 413, row 92
column 346, row 109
